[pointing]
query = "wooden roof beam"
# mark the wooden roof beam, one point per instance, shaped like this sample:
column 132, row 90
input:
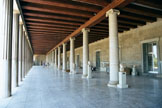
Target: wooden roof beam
column 51, row 24
column 102, row 3
column 152, row 4
column 134, row 16
column 52, row 21
column 40, row 15
column 41, row 8
column 142, row 11
column 65, row 4
column 47, row 28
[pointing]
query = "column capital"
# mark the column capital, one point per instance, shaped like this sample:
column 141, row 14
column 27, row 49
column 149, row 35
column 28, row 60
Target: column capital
column 85, row 30
column 21, row 23
column 72, row 38
column 112, row 11
column 64, row 44
column 16, row 12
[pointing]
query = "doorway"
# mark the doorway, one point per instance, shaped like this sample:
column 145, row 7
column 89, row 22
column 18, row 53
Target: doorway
column 150, row 57
column 98, row 60
column 78, row 61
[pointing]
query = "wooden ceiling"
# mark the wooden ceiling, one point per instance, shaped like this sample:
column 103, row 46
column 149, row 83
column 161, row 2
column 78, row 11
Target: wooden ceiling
column 49, row 22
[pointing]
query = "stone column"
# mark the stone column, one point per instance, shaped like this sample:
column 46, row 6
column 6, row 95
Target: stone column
column 6, row 15
column 15, row 44
column 64, row 57
column 72, row 56
column 113, row 47
column 25, row 52
column 85, row 52
column 59, row 58
column 23, row 55
column 20, row 51
column 55, row 58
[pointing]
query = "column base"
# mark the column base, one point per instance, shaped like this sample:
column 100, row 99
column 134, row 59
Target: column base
column 84, row 76
column 74, row 72
column 89, row 77
column 63, row 70
column 70, row 72
column 122, row 86
column 112, row 84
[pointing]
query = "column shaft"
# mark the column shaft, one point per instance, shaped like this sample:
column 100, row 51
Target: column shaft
column 23, row 54
column 72, row 56
column 59, row 57
column 6, row 14
column 85, row 52
column 20, row 51
column 56, row 58
column 64, row 57
column 113, row 48
column 15, row 44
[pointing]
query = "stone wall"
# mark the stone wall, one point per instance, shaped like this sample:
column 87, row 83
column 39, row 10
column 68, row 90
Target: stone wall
column 130, row 45
column 39, row 59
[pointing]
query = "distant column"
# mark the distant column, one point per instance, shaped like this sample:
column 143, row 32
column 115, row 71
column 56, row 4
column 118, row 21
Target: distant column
column 113, row 47
column 64, row 57
column 6, row 15
column 85, row 52
column 15, row 44
column 23, row 55
column 20, row 51
column 72, row 55
column 59, row 57
column 55, row 58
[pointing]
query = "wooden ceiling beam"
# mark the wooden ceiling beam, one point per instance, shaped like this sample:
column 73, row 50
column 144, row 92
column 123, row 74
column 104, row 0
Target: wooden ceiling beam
column 41, row 31
column 48, row 33
column 50, row 25
column 102, row 3
column 65, row 4
column 152, row 4
column 142, row 11
column 55, row 17
column 134, row 16
column 51, row 21
column 47, row 28
column 44, row 30
column 41, row 8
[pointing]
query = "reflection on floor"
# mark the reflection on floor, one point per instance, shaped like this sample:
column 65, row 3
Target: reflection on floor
column 48, row 88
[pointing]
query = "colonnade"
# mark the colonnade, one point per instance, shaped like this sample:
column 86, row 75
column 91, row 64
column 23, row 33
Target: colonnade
column 16, row 56
column 113, row 51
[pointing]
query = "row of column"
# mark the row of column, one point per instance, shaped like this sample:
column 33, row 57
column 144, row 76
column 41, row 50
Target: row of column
column 16, row 56
column 113, row 51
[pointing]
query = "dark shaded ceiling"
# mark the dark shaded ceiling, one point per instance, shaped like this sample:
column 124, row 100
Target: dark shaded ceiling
column 48, row 22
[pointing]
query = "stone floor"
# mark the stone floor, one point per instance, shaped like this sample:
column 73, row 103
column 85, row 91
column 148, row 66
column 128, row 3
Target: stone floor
column 48, row 88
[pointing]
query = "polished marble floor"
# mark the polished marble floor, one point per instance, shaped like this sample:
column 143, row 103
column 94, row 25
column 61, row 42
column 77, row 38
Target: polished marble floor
column 48, row 88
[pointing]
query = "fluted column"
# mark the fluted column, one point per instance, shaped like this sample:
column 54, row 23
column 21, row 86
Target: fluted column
column 72, row 56
column 6, row 15
column 59, row 57
column 15, row 44
column 23, row 55
column 85, row 52
column 20, row 51
column 52, row 58
column 64, row 57
column 113, row 47
column 55, row 58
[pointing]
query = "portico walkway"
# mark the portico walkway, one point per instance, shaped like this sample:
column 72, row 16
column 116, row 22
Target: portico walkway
column 48, row 88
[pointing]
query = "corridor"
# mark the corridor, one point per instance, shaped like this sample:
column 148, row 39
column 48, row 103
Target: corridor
column 48, row 88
